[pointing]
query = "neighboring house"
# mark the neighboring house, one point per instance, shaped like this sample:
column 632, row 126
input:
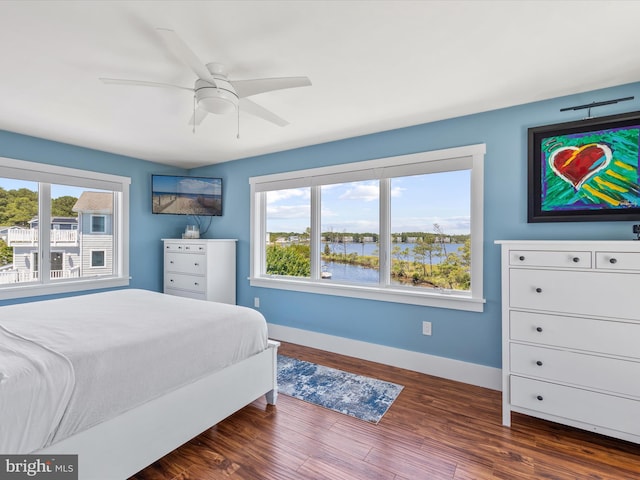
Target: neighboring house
column 4, row 232
column 58, row 223
column 80, row 247
column 65, row 253
column 95, row 216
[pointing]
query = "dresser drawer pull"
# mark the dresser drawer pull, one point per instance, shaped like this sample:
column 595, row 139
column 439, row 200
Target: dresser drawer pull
column 171, row 280
column 521, row 258
column 539, row 363
column 540, row 397
column 538, row 329
column 538, row 290
column 196, row 264
column 613, row 260
column 171, row 262
column 576, row 259
column 196, row 283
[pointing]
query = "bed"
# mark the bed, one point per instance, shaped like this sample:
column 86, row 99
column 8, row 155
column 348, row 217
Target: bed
column 126, row 375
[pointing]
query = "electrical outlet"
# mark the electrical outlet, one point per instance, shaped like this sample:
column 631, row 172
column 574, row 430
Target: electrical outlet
column 256, row 302
column 426, row 328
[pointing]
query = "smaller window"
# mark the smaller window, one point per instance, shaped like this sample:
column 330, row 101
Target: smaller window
column 97, row 258
column 98, row 224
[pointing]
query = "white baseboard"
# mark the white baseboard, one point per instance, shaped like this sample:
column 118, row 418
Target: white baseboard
column 465, row 372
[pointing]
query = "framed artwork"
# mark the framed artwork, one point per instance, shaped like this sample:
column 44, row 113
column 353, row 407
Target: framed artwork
column 585, row 170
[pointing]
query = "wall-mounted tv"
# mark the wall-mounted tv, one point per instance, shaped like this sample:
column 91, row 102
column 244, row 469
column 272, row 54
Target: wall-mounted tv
column 182, row 195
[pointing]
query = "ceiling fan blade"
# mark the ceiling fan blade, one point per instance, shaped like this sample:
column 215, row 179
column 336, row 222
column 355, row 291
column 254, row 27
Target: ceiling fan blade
column 141, row 83
column 253, row 108
column 246, row 88
column 184, row 53
column 198, row 116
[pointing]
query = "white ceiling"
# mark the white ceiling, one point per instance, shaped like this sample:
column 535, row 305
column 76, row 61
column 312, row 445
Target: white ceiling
column 374, row 65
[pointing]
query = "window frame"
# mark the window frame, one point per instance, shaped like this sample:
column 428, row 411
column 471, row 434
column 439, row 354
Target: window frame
column 104, row 223
column 469, row 157
column 104, row 258
column 46, row 175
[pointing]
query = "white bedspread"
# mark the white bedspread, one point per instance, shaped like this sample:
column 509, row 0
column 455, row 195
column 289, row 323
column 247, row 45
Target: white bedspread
column 35, row 388
column 126, row 348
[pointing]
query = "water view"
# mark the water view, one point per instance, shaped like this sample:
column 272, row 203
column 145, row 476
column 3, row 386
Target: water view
column 345, row 272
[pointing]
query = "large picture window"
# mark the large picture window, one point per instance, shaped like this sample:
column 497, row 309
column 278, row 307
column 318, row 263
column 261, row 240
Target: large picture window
column 64, row 216
column 403, row 229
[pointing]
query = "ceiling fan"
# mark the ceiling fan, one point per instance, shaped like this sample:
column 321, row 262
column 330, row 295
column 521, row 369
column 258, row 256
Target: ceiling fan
column 213, row 91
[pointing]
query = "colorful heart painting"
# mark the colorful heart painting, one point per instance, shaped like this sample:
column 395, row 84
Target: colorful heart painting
column 591, row 173
column 576, row 165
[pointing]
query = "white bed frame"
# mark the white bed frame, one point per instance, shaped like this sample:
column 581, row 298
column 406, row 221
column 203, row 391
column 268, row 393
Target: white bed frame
column 120, row 447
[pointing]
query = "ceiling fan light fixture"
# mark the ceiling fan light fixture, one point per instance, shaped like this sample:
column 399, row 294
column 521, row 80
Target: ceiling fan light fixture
column 218, row 104
column 215, row 99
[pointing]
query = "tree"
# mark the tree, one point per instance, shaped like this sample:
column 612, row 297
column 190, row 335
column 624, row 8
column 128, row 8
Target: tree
column 426, row 249
column 6, row 253
column 455, row 274
column 18, row 207
column 62, row 206
column 440, row 238
column 399, row 266
column 293, row 260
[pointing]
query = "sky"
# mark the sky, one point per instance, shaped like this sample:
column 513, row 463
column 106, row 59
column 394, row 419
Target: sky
column 56, row 190
column 417, row 202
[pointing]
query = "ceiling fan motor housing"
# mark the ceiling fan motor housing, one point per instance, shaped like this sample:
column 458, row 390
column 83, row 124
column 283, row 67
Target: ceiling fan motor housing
column 219, row 99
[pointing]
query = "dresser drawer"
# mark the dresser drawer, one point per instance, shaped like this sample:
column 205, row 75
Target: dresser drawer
column 185, row 293
column 535, row 258
column 607, row 411
column 618, row 260
column 198, row 248
column 591, row 371
column 606, row 294
column 189, row 264
column 184, row 282
column 615, row 338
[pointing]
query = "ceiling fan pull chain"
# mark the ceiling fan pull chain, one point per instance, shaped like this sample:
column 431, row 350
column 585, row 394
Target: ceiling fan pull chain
column 238, row 134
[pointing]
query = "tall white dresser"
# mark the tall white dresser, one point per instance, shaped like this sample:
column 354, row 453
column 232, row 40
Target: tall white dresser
column 200, row 268
column 571, row 333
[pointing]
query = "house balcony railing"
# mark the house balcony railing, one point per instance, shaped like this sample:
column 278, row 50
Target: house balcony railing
column 29, row 237
column 20, row 276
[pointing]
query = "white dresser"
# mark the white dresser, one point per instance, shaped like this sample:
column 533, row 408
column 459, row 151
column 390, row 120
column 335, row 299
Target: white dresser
column 571, row 333
column 202, row 268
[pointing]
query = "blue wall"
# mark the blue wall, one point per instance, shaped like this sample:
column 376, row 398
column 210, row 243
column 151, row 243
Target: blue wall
column 146, row 229
column 466, row 336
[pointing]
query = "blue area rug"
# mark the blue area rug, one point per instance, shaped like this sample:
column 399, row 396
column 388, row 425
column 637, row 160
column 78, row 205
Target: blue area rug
column 361, row 397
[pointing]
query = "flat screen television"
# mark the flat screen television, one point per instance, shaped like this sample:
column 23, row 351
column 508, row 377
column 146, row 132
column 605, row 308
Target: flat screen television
column 182, row 195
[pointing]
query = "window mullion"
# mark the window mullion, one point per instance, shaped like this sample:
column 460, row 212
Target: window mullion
column 384, row 238
column 315, row 232
column 44, row 232
column 259, row 223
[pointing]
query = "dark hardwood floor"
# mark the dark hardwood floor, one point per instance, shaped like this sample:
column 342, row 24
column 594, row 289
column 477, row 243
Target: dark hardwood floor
column 436, row 429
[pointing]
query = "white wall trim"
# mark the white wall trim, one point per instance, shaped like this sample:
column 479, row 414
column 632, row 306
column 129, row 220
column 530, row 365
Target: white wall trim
column 471, row 373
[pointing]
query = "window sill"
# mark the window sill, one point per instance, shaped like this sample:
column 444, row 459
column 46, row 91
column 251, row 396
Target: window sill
column 455, row 301
column 22, row 291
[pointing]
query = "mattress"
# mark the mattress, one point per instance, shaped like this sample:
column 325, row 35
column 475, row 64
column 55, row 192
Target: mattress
column 69, row 364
